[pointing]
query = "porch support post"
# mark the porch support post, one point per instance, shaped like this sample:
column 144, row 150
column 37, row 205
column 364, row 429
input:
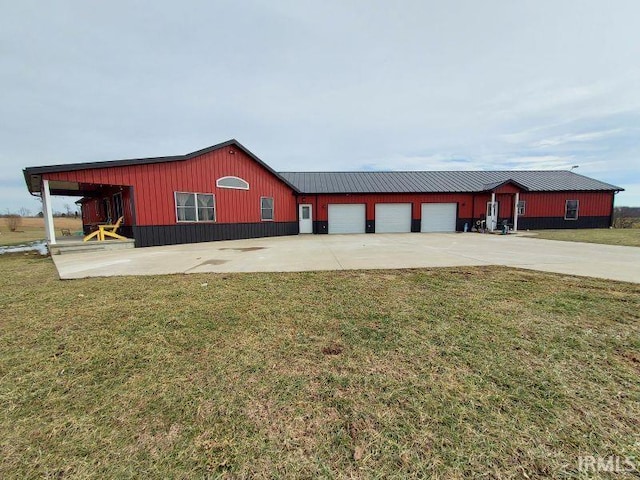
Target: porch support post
column 493, row 211
column 515, row 212
column 47, row 213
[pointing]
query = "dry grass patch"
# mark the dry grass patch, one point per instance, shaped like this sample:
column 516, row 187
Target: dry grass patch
column 32, row 228
column 608, row 236
column 443, row 373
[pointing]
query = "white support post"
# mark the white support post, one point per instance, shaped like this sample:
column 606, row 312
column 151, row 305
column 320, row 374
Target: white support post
column 47, row 212
column 515, row 212
column 494, row 220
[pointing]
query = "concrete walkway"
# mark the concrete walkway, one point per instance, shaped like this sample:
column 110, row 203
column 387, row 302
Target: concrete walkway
column 347, row 252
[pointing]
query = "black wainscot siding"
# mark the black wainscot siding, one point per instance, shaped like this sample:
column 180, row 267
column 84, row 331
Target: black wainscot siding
column 155, row 235
column 370, row 226
column 320, row 227
column 542, row 223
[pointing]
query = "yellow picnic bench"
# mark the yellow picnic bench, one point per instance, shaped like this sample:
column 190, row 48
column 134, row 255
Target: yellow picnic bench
column 106, row 231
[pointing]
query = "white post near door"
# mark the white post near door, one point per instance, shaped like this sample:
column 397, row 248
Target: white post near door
column 515, row 212
column 494, row 220
column 47, row 212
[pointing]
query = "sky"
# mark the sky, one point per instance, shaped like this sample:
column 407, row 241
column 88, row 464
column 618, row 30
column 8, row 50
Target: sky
column 323, row 85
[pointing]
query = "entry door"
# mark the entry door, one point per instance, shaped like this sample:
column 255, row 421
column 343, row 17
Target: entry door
column 492, row 215
column 306, row 218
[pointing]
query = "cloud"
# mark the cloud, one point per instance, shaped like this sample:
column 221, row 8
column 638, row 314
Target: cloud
column 575, row 138
column 327, row 85
column 417, row 162
column 488, row 162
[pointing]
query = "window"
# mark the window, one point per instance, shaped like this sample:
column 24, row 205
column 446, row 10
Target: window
column 266, row 208
column 232, row 182
column 571, row 210
column 117, row 206
column 195, row 207
column 106, row 210
column 521, row 207
column 306, row 212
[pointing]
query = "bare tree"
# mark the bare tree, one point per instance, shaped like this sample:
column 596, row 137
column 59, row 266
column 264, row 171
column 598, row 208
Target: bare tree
column 13, row 221
column 624, row 217
column 24, row 212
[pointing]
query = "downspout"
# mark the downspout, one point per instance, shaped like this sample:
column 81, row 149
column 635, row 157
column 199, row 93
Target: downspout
column 473, row 211
column 134, row 217
column 315, row 216
column 515, row 211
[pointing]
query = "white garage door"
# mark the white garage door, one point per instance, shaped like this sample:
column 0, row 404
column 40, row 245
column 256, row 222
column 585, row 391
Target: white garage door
column 345, row 218
column 438, row 217
column 393, row 217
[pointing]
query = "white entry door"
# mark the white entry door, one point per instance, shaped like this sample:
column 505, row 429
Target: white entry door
column 306, row 218
column 347, row 218
column 492, row 215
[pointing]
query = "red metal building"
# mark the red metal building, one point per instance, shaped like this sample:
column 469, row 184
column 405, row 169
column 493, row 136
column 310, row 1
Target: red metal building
column 449, row 201
column 226, row 192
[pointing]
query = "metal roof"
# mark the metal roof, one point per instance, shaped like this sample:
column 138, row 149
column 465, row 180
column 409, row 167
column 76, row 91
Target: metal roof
column 442, row 181
column 369, row 182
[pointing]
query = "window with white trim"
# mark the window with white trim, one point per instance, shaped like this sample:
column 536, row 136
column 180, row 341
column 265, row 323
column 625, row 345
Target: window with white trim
column 521, row 207
column 195, row 207
column 571, row 208
column 236, row 183
column 266, row 208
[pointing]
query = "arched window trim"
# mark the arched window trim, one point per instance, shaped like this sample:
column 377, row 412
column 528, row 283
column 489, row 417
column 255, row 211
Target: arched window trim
column 221, row 179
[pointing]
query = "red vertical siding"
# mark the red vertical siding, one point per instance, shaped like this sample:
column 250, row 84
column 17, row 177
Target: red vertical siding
column 505, row 205
column 551, row 204
column 507, row 188
column 464, row 201
column 538, row 204
column 154, row 186
column 89, row 214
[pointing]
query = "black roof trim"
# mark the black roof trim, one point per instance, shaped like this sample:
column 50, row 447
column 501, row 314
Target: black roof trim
column 71, row 167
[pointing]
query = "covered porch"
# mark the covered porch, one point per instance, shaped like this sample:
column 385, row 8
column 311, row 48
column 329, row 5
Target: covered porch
column 100, row 205
column 503, row 205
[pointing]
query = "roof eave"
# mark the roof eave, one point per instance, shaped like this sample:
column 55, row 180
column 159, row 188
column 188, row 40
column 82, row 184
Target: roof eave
column 72, row 167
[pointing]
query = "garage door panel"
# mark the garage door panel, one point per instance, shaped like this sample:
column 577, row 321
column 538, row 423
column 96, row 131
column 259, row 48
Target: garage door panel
column 347, row 218
column 438, row 217
column 393, row 217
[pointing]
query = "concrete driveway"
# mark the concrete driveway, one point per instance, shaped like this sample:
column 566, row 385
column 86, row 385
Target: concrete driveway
column 347, row 252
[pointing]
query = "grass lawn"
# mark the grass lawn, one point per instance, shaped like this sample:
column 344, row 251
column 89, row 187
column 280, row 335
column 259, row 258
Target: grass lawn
column 442, row 373
column 608, row 236
column 32, row 228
